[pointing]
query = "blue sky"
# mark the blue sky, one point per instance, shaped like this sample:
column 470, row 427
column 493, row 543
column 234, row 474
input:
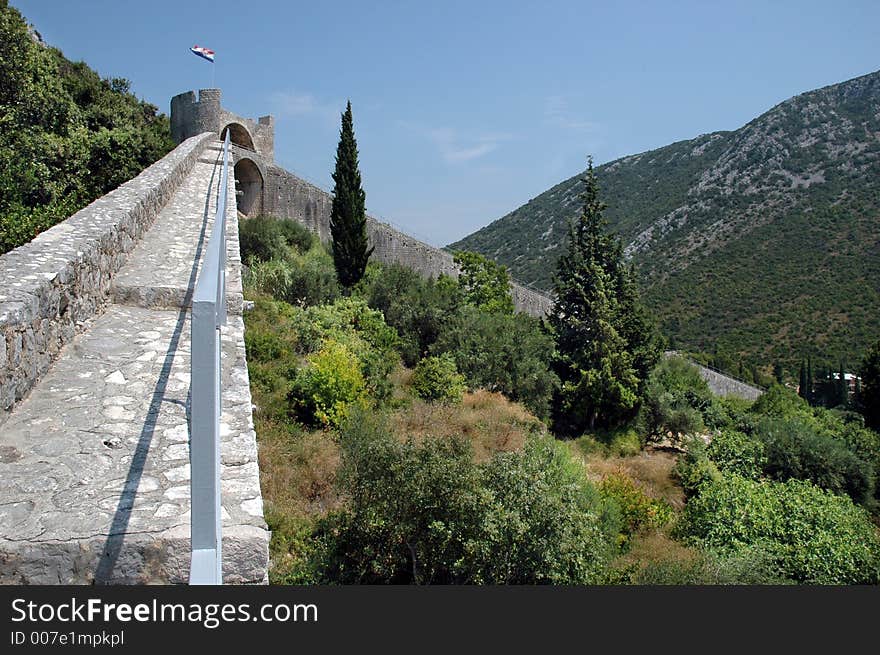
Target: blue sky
column 463, row 111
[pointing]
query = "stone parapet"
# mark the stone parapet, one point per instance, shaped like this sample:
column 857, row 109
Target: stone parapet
column 50, row 287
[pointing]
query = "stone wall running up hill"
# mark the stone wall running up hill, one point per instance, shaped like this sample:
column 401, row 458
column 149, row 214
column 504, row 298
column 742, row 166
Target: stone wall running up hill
column 287, row 196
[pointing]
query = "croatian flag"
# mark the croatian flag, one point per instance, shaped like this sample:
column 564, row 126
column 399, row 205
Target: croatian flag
column 203, row 52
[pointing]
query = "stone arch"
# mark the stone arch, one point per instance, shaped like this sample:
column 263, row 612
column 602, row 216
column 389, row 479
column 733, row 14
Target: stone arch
column 248, row 187
column 239, row 135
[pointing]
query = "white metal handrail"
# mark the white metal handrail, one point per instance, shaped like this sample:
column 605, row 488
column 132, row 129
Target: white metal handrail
column 208, row 314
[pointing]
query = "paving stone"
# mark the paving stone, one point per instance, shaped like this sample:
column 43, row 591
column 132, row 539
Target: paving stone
column 94, row 462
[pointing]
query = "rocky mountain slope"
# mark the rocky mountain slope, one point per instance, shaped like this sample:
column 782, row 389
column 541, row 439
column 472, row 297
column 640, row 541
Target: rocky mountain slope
column 762, row 243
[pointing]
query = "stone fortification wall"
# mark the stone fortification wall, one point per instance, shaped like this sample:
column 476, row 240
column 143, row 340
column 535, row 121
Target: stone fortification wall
column 51, row 286
column 287, row 196
column 191, row 116
column 719, row 383
column 723, row 385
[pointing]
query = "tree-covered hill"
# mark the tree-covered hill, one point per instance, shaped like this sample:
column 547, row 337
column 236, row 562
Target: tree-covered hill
column 67, row 136
column 761, row 243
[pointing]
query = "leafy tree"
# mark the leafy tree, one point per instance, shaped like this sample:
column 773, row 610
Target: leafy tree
column 348, row 218
column 416, row 307
column 426, row 513
column 870, row 386
column 436, row 378
column 603, row 350
column 484, row 284
column 675, row 400
column 813, row 536
column 509, row 353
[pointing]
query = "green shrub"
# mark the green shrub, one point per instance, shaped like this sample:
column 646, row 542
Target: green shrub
column 509, row 353
column 426, row 513
column 313, row 279
column 794, row 449
column 328, row 385
column 436, row 378
column 780, row 402
column 296, row 235
column 746, row 566
column 812, row 535
column 484, row 283
column 307, row 279
column 619, row 442
column 546, row 523
column 292, row 549
column 414, row 306
column 694, row 469
column 735, row 452
column 272, row 277
column 638, row 511
column 677, row 400
column 262, row 238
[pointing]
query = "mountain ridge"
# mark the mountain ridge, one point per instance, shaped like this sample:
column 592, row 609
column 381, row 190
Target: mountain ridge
column 708, row 219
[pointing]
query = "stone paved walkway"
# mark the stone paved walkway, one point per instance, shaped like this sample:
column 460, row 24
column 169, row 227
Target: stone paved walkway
column 94, row 463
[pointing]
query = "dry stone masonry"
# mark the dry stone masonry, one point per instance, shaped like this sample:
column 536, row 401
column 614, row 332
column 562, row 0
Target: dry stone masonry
column 94, row 446
column 51, row 287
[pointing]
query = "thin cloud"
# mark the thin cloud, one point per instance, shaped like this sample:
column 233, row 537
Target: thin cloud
column 455, row 148
column 557, row 112
column 287, row 104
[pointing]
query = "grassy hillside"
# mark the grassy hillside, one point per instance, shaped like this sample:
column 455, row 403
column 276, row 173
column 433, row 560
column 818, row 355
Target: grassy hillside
column 760, row 243
column 67, row 136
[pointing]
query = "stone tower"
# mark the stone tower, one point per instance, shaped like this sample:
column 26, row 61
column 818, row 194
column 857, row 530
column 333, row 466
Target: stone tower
column 190, row 117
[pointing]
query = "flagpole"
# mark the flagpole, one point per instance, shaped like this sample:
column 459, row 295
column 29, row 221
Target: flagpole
column 212, row 74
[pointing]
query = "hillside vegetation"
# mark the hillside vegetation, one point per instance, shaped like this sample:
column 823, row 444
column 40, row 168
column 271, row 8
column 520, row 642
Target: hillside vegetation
column 401, row 440
column 760, row 243
column 67, row 136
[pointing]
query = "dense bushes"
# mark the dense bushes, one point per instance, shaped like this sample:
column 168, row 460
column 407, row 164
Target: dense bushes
column 264, row 238
column 812, row 535
column 428, row 514
column 436, row 378
column 793, row 449
column 736, row 452
column 677, row 401
column 314, row 363
column 299, row 279
column 326, row 388
column 781, row 437
column 414, row 306
column 502, row 352
column 466, row 319
column 68, row 136
column 638, row 511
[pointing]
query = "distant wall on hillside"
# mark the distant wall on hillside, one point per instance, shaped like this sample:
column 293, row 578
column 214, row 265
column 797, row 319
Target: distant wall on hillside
column 721, row 384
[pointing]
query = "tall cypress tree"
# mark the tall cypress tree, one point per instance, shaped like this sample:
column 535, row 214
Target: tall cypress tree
column 842, row 387
column 809, row 389
column 869, row 392
column 802, row 380
column 348, row 218
column 605, row 342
